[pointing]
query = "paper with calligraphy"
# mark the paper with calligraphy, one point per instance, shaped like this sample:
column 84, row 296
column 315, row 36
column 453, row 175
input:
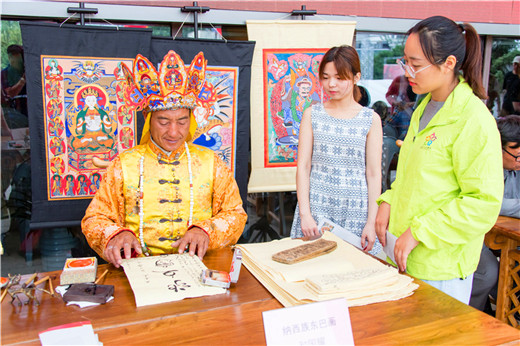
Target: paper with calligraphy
column 167, row 278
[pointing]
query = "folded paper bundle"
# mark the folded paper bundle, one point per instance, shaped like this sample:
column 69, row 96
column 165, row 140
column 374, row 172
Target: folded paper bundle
column 345, row 272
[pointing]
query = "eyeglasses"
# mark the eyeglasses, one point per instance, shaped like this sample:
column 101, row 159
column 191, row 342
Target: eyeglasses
column 409, row 69
column 517, row 157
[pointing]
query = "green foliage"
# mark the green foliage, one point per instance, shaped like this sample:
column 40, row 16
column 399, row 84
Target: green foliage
column 10, row 35
column 379, row 59
column 501, row 60
column 503, row 52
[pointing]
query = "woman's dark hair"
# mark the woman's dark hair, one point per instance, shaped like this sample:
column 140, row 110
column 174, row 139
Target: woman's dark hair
column 441, row 37
column 346, row 60
column 380, row 108
column 365, row 96
column 509, row 128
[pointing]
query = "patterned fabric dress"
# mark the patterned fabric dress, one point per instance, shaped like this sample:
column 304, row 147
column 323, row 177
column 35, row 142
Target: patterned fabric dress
column 338, row 187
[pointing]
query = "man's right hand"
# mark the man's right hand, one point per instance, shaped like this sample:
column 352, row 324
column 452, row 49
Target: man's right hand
column 124, row 241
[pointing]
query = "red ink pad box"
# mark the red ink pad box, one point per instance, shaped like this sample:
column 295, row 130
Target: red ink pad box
column 79, row 270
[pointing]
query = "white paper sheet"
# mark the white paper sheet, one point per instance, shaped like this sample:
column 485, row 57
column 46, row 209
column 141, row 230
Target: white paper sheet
column 168, row 278
column 349, row 237
column 80, row 333
column 390, row 245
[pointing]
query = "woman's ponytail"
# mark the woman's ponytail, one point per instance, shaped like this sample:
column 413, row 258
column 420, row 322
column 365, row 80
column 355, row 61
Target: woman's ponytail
column 472, row 64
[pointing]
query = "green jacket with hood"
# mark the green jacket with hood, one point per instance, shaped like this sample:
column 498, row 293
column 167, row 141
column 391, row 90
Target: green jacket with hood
column 449, row 186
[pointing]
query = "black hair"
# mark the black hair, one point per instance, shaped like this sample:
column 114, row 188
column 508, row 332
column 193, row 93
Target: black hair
column 380, row 108
column 346, row 60
column 365, row 96
column 441, row 37
column 509, row 128
column 15, row 49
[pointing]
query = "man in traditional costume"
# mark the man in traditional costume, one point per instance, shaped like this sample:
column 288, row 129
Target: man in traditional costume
column 167, row 194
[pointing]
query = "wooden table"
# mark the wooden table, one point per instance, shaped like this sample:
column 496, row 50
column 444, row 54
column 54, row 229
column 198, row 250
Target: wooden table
column 505, row 236
column 427, row 317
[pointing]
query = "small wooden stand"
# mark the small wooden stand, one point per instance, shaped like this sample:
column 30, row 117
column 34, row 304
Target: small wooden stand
column 28, row 288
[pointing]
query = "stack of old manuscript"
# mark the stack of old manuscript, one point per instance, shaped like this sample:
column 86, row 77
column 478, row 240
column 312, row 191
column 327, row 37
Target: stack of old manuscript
column 339, row 271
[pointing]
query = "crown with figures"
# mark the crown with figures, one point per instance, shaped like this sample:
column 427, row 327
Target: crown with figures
column 173, row 86
column 89, row 92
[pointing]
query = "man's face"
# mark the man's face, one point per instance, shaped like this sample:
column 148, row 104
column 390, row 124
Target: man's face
column 170, row 128
column 516, row 68
column 305, row 89
column 15, row 60
column 510, row 163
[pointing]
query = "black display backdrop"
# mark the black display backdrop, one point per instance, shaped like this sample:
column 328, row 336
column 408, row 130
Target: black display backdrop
column 220, row 53
column 71, row 41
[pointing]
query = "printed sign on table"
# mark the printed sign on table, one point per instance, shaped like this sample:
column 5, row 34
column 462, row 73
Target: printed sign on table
column 322, row 323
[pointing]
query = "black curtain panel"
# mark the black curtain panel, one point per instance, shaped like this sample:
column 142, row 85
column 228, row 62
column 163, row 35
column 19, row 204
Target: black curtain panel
column 226, row 128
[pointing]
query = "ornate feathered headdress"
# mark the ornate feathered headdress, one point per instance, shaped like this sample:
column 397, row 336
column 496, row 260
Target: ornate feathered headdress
column 174, row 86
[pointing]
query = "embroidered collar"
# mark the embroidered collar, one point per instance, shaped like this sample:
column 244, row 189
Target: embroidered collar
column 158, row 150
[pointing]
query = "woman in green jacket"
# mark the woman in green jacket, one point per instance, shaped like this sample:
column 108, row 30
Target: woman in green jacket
column 449, row 185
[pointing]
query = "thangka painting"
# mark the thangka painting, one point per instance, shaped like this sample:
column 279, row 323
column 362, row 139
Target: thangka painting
column 284, row 82
column 217, row 126
column 291, row 85
column 86, row 120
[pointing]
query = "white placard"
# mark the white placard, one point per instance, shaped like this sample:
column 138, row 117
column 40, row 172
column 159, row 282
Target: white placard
column 322, row 323
column 78, row 333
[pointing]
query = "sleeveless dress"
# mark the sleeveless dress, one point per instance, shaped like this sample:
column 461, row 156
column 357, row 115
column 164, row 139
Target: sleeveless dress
column 338, row 186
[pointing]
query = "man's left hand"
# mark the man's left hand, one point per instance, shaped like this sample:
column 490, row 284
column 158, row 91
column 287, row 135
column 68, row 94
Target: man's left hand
column 194, row 240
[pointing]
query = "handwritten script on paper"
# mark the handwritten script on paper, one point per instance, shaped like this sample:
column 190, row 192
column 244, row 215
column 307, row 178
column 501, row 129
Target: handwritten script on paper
column 167, row 278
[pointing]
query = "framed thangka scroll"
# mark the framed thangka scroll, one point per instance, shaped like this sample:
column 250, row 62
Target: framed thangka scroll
column 216, row 126
column 284, row 82
column 86, row 119
column 291, row 85
column 75, row 112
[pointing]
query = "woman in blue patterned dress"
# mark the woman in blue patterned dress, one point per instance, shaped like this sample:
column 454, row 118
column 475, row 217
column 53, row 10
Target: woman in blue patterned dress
column 339, row 155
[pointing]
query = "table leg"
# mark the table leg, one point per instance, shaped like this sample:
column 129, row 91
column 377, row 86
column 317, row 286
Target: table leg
column 503, row 281
column 496, row 241
column 282, row 213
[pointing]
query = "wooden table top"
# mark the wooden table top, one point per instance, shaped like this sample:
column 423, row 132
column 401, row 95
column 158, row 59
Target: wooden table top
column 508, row 226
column 427, row 317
